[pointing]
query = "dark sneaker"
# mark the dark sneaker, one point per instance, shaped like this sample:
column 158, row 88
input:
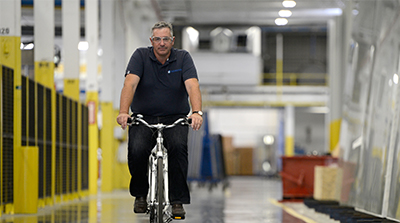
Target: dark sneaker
column 178, row 212
column 140, row 205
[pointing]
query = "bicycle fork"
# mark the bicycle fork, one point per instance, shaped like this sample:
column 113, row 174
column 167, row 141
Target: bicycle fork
column 157, row 152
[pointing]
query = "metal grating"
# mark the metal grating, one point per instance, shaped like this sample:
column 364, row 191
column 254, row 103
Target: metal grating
column 74, row 126
column 64, row 148
column 58, row 147
column 85, row 148
column 40, row 142
column 23, row 112
column 8, row 131
column 48, row 142
column 31, row 138
column 70, row 147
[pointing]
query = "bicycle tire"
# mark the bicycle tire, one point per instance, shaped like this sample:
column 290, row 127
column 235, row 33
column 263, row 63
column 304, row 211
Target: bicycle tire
column 160, row 190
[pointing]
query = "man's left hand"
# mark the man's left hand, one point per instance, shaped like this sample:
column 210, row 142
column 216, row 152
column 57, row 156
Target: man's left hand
column 197, row 120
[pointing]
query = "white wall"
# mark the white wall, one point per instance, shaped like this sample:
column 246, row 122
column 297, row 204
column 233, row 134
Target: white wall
column 246, row 125
column 228, row 68
column 315, row 139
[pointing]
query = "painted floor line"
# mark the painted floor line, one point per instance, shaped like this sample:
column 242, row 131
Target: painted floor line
column 291, row 211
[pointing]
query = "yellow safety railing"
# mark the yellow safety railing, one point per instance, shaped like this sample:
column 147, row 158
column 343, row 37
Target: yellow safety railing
column 54, row 146
column 295, row 79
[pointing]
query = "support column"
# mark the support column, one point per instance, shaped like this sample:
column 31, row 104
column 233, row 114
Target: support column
column 279, row 65
column 120, row 61
column 91, row 32
column 335, row 80
column 44, row 42
column 107, row 94
column 44, row 70
column 10, row 60
column 71, row 36
column 289, row 130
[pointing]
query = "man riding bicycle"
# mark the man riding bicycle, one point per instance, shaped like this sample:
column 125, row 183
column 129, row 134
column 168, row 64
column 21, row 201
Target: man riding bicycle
column 158, row 81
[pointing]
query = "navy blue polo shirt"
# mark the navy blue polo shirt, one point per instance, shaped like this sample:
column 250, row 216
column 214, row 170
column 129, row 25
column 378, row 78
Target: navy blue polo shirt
column 161, row 90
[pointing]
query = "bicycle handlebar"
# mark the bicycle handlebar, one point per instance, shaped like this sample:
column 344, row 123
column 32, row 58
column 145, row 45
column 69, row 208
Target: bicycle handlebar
column 137, row 119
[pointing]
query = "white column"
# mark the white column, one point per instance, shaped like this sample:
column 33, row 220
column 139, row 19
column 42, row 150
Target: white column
column 44, row 42
column 107, row 43
column 335, row 63
column 10, row 18
column 120, row 53
column 92, row 33
column 71, row 37
column 108, row 161
column 289, row 130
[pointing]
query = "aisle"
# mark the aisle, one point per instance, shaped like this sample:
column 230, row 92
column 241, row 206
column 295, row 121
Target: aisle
column 248, row 200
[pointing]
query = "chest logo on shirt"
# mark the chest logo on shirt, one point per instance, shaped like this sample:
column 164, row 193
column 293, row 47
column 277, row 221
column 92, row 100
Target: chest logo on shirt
column 173, row 71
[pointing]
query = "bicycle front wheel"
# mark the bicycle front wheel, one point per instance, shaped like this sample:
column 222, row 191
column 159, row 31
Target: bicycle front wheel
column 160, row 190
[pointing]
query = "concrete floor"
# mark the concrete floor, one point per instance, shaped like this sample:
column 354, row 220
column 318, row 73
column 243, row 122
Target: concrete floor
column 247, row 199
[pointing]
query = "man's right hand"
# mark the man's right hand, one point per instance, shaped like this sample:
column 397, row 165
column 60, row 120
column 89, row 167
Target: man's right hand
column 122, row 119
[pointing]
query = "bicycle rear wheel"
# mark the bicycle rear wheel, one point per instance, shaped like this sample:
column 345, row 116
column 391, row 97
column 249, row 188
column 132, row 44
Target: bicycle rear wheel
column 160, row 190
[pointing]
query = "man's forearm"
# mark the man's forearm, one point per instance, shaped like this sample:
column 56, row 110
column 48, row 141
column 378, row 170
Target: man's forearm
column 126, row 100
column 195, row 99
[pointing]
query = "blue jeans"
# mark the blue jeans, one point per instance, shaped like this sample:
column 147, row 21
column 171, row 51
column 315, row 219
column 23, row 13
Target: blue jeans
column 142, row 140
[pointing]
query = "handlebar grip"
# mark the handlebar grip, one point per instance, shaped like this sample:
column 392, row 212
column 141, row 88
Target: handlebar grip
column 130, row 120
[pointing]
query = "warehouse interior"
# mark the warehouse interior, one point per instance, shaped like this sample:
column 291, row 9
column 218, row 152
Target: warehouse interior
column 300, row 102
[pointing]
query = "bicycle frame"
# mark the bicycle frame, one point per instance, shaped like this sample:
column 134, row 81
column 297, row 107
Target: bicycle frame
column 158, row 152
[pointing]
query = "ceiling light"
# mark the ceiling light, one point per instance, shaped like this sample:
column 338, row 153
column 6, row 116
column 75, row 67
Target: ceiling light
column 396, row 78
column 281, row 21
column 289, row 3
column 29, row 46
column 285, row 13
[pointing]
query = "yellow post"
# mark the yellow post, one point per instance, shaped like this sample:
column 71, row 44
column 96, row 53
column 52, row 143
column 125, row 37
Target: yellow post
column 92, row 103
column 106, row 142
column 121, row 175
column 334, row 134
column 71, row 88
column 27, row 179
column 44, row 73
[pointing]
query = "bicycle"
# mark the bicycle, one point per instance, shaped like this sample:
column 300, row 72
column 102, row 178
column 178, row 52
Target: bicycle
column 157, row 198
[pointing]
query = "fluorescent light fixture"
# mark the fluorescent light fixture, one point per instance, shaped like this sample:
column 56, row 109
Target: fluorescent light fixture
column 281, row 21
column 289, row 3
column 285, row 13
column 83, row 46
column 29, row 46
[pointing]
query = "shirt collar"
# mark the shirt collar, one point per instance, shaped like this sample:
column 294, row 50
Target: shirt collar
column 172, row 56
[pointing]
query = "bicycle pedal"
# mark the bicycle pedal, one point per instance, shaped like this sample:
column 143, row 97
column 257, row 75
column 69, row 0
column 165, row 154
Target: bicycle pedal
column 178, row 217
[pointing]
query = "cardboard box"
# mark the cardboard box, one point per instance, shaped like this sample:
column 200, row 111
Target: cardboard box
column 229, row 154
column 244, row 161
column 327, row 183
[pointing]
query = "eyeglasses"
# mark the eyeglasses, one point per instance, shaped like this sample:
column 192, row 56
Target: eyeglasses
column 166, row 39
